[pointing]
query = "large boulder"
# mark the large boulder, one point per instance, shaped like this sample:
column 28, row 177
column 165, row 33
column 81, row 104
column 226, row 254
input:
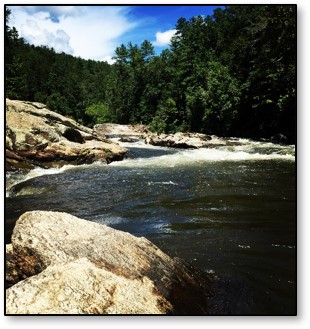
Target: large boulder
column 77, row 266
column 36, row 136
column 84, row 287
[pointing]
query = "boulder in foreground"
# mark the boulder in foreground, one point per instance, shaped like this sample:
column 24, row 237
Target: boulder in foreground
column 81, row 267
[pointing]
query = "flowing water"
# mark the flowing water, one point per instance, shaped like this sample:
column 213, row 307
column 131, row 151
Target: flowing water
column 231, row 211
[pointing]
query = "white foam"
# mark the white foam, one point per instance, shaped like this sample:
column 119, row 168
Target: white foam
column 140, row 144
column 244, row 247
column 189, row 157
column 248, row 151
column 17, row 178
column 283, row 246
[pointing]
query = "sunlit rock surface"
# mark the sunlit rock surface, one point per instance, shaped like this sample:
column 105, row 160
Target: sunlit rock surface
column 78, row 267
column 36, row 136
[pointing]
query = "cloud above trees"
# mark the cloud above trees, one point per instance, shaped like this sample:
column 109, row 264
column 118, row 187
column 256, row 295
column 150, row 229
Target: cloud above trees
column 87, row 32
column 163, row 38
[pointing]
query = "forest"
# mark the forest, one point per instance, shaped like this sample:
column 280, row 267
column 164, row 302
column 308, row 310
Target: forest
column 229, row 74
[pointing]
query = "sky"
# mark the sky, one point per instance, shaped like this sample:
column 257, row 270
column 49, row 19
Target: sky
column 93, row 32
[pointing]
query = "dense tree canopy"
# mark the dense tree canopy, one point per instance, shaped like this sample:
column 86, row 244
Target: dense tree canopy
column 232, row 73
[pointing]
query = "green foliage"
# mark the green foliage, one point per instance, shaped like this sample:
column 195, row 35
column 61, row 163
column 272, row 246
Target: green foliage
column 65, row 83
column 99, row 113
column 222, row 99
column 165, row 120
column 232, row 73
column 128, row 82
column 58, row 103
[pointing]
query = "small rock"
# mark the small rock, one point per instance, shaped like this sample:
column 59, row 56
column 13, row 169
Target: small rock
column 129, row 139
column 279, row 139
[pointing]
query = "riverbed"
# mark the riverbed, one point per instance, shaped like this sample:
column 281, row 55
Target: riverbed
column 230, row 211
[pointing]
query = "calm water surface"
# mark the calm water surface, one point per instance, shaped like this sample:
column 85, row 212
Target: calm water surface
column 231, row 211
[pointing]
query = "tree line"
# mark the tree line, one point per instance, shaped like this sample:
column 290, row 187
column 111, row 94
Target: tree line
column 232, row 73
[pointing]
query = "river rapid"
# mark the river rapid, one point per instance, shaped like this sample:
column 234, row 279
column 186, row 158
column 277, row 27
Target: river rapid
column 230, row 211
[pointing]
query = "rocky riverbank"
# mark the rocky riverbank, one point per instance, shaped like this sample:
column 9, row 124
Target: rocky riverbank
column 36, row 136
column 58, row 263
column 132, row 133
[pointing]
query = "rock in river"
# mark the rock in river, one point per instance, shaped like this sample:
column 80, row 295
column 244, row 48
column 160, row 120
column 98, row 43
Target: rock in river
column 36, row 136
column 81, row 267
column 184, row 140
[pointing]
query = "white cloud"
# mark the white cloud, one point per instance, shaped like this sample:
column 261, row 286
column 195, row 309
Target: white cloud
column 87, row 32
column 163, row 38
column 59, row 40
column 54, row 11
column 108, row 59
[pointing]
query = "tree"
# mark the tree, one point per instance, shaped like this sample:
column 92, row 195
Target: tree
column 259, row 47
column 99, row 113
column 165, row 120
column 14, row 79
column 127, row 83
column 221, row 99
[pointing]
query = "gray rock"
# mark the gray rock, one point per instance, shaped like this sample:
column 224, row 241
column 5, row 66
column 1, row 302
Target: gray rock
column 129, row 139
column 62, row 240
column 115, row 129
column 36, row 136
column 279, row 139
column 184, row 140
column 84, row 287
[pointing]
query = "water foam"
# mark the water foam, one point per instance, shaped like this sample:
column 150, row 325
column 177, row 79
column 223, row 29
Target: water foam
column 229, row 153
column 162, row 183
column 139, row 144
column 14, row 178
column 247, row 151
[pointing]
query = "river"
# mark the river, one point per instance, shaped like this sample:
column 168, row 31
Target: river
column 230, row 211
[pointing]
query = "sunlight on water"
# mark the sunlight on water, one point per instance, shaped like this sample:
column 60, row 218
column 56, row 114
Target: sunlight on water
column 14, row 178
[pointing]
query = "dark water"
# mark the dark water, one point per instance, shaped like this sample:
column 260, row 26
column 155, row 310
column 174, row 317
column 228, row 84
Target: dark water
column 229, row 211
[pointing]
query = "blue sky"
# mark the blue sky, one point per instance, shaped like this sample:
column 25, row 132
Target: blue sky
column 93, row 32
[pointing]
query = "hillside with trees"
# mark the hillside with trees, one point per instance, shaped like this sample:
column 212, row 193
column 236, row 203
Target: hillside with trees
column 230, row 74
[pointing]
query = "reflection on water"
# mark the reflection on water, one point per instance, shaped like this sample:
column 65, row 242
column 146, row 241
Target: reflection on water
column 229, row 211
